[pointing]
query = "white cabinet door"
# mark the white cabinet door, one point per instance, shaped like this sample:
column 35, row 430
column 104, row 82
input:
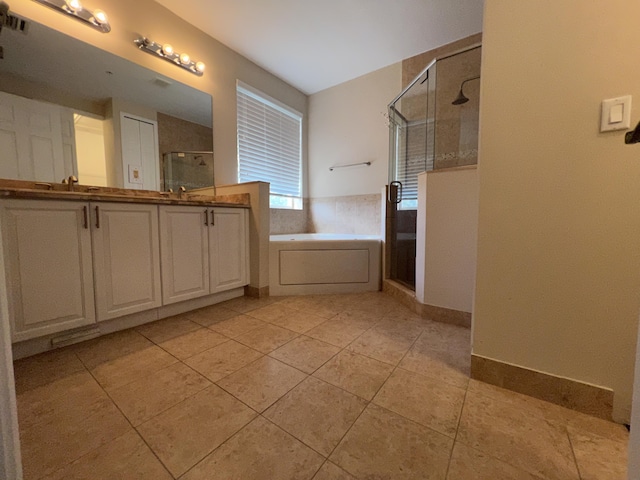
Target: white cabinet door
column 47, row 247
column 228, row 248
column 140, row 159
column 126, row 258
column 184, row 252
column 32, row 140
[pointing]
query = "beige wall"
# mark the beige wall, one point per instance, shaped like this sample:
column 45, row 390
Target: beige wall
column 634, row 438
column 347, row 124
column 90, row 152
column 558, row 275
column 224, row 66
column 447, row 230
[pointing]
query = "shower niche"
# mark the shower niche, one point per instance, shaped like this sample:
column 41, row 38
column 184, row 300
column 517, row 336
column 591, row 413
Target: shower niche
column 187, row 169
column 433, row 125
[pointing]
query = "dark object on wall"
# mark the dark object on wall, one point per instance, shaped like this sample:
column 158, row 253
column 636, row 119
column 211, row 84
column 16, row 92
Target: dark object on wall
column 461, row 98
column 11, row 21
column 633, row 136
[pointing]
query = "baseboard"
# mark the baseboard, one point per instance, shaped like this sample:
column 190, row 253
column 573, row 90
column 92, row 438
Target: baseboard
column 256, row 292
column 582, row 397
column 437, row 314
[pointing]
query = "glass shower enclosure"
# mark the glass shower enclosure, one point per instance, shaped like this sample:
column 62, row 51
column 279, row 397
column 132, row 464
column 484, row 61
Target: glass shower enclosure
column 187, row 169
column 433, row 124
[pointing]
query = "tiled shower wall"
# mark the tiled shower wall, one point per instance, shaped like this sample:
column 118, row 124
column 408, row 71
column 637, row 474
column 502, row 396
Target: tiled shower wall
column 359, row 214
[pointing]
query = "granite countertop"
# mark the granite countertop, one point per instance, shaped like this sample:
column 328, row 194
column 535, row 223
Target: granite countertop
column 60, row 191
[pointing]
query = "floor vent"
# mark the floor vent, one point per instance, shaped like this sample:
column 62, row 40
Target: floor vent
column 75, row 337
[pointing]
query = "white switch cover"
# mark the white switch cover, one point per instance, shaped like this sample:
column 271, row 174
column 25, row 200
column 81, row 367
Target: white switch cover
column 616, row 114
column 135, row 174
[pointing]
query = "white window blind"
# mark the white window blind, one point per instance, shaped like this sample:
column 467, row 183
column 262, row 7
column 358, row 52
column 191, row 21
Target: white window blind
column 269, row 147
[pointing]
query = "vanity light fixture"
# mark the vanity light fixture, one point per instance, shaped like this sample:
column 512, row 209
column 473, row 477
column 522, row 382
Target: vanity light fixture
column 166, row 52
column 74, row 8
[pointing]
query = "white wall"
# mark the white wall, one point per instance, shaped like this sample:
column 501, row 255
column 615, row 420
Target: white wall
column 558, row 271
column 347, row 124
column 446, row 250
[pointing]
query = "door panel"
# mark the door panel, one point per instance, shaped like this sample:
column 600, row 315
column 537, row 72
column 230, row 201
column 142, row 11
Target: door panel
column 184, row 253
column 126, row 255
column 49, row 270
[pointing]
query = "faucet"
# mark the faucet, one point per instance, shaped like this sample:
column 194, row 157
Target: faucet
column 70, row 181
column 181, row 191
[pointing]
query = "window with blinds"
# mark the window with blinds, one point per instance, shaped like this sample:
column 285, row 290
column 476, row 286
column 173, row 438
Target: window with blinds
column 270, row 147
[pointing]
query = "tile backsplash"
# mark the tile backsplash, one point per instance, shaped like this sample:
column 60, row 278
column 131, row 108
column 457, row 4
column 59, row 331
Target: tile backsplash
column 290, row 221
column 348, row 214
column 359, row 214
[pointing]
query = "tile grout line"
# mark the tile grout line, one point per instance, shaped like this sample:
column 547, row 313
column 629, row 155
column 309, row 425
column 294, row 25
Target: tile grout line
column 573, row 453
column 455, row 438
column 369, row 402
column 128, row 421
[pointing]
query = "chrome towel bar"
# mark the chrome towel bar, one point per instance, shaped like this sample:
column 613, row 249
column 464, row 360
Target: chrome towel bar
column 349, row 165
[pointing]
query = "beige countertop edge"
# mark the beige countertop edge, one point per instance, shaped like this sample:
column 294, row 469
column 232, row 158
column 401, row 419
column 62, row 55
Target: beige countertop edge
column 236, row 200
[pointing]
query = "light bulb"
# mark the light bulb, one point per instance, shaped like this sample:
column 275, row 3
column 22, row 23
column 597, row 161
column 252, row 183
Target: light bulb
column 74, row 5
column 185, row 59
column 200, row 67
column 100, row 17
column 167, row 49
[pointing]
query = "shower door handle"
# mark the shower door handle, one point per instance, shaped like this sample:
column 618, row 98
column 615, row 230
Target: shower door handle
column 398, row 197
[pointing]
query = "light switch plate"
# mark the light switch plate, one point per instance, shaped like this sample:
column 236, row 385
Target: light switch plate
column 135, row 174
column 616, row 114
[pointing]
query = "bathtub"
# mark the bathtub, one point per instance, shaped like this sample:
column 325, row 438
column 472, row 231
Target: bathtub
column 319, row 263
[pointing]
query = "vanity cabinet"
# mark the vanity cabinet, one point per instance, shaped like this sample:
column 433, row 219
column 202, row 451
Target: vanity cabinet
column 203, row 251
column 72, row 263
column 126, row 258
column 47, row 255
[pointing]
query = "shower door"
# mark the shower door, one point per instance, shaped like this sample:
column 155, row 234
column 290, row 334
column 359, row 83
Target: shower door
column 411, row 152
column 429, row 129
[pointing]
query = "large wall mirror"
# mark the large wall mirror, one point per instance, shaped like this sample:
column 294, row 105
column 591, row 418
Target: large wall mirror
column 68, row 108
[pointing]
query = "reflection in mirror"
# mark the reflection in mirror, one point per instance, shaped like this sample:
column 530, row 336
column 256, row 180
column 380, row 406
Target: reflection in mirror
column 68, row 108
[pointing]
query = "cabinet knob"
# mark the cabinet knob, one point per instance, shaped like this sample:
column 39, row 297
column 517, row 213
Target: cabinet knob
column 206, row 218
column 213, row 219
column 97, row 217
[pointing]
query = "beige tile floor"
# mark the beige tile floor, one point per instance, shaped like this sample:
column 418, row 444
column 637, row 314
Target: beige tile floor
column 314, row 387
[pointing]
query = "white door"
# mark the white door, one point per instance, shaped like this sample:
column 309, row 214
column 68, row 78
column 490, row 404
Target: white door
column 184, row 252
column 140, row 161
column 47, row 248
column 228, row 248
column 126, row 258
column 31, row 140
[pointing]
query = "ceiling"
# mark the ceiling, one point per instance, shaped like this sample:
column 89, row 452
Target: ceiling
column 314, row 44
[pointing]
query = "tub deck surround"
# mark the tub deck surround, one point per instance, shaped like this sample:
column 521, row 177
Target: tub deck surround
column 321, row 263
column 59, row 191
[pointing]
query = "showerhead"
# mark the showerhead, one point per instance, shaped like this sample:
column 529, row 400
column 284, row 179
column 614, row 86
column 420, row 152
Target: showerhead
column 460, row 99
